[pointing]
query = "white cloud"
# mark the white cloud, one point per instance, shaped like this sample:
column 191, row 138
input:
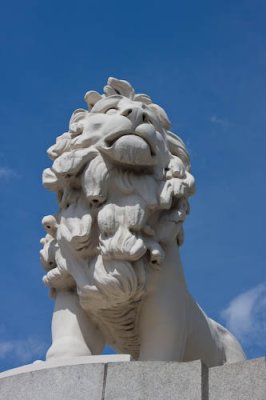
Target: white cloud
column 245, row 316
column 6, row 172
column 220, row 121
column 22, row 350
column 5, row 349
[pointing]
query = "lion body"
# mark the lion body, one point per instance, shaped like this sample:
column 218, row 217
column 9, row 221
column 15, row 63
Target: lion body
column 112, row 251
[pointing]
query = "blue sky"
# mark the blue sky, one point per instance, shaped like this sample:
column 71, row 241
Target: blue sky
column 205, row 63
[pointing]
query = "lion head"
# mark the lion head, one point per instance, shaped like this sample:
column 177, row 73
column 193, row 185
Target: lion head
column 122, row 181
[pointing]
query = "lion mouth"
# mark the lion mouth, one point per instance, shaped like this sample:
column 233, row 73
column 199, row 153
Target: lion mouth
column 134, row 148
column 115, row 137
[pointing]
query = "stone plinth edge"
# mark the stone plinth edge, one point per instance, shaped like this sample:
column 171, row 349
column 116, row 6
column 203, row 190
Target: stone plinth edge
column 63, row 362
column 118, row 378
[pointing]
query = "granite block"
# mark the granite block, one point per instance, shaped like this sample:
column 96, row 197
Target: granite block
column 155, row 381
column 245, row 380
column 78, row 382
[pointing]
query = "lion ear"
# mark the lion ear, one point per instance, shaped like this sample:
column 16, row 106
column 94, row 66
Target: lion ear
column 92, row 97
column 161, row 114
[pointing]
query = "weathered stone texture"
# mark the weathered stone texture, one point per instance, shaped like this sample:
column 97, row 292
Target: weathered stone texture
column 137, row 381
column 79, row 382
column 240, row 381
column 154, row 381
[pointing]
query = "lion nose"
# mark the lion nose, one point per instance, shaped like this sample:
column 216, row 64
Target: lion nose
column 136, row 115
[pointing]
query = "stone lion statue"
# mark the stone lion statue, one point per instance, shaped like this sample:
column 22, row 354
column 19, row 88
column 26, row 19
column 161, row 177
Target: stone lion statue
column 111, row 252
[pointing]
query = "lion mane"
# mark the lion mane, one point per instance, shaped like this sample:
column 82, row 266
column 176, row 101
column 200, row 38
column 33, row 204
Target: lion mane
column 122, row 181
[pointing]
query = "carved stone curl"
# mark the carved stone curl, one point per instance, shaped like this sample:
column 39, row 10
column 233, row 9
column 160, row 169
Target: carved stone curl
column 111, row 253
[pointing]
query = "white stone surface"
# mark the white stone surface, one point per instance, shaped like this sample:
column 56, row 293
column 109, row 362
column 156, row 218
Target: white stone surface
column 139, row 381
column 111, row 252
column 76, row 382
column 239, row 381
column 60, row 362
column 156, row 381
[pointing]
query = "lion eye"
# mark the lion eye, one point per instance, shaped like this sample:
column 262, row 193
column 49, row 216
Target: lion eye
column 111, row 111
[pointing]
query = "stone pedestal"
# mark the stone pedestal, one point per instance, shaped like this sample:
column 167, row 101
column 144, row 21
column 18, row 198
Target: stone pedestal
column 115, row 378
column 149, row 380
column 240, row 381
